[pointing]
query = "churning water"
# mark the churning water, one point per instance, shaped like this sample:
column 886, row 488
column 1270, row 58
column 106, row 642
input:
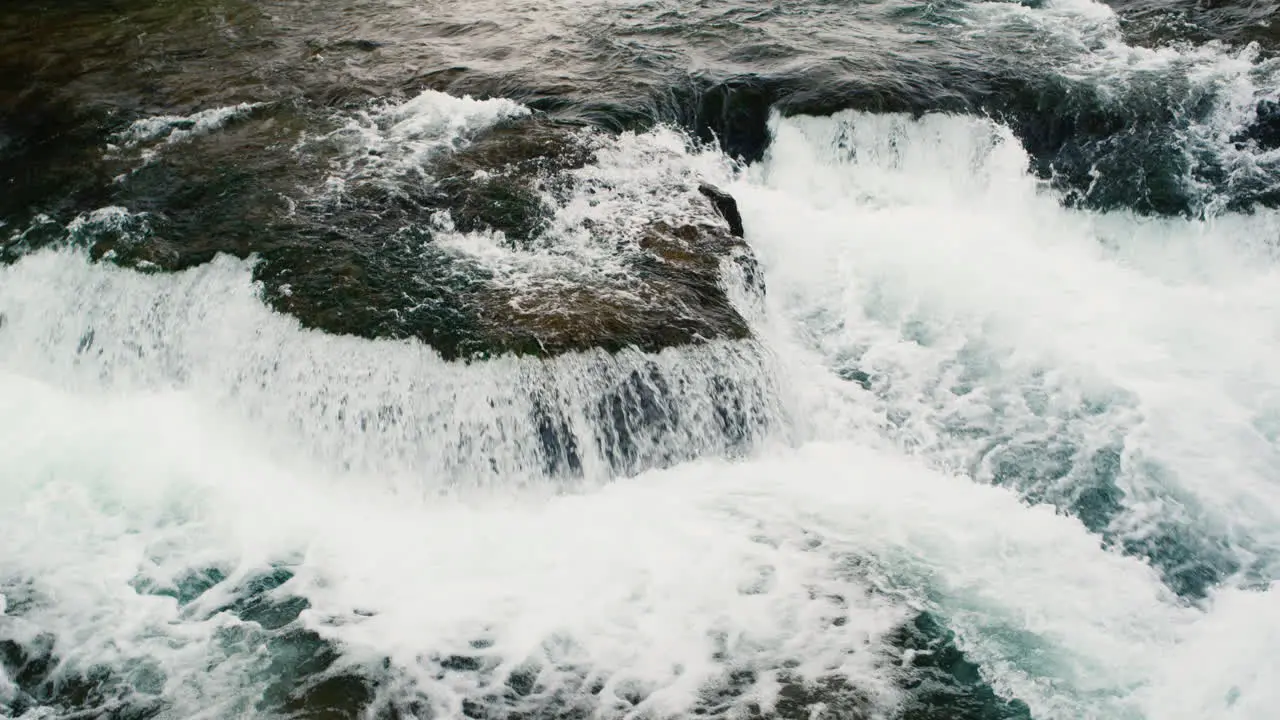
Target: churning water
column 980, row 419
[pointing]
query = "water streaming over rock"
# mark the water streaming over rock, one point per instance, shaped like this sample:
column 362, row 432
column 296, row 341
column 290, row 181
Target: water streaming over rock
column 330, row 390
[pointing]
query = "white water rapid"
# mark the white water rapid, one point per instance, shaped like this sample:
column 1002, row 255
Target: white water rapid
column 1053, row 430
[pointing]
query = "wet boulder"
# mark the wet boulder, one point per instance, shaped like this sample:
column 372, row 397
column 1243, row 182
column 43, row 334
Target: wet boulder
column 672, row 295
column 501, row 179
column 397, row 271
column 726, row 206
column 351, row 242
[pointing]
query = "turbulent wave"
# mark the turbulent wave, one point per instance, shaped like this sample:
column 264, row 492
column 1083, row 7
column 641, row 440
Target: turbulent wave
column 1102, row 363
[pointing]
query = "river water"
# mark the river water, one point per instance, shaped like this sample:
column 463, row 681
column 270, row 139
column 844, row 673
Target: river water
column 1003, row 441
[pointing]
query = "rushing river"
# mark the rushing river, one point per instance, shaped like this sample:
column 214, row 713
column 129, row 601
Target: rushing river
column 387, row 360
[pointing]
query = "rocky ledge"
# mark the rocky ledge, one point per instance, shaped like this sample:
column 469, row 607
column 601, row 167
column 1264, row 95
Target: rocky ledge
column 477, row 247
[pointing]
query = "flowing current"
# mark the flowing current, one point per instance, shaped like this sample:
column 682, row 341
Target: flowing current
column 1033, row 440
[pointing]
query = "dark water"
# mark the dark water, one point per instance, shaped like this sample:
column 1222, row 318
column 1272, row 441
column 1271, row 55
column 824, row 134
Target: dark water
column 328, row 142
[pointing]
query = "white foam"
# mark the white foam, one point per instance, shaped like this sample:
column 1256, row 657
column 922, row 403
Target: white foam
column 1226, row 665
column 986, row 308
column 1054, row 618
column 392, row 141
column 640, row 583
column 147, row 132
column 177, row 128
column 112, row 217
column 634, row 182
column 392, row 412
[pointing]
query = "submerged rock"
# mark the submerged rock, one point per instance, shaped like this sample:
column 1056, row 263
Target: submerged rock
column 388, row 253
column 498, row 181
column 399, row 272
column 673, row 296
